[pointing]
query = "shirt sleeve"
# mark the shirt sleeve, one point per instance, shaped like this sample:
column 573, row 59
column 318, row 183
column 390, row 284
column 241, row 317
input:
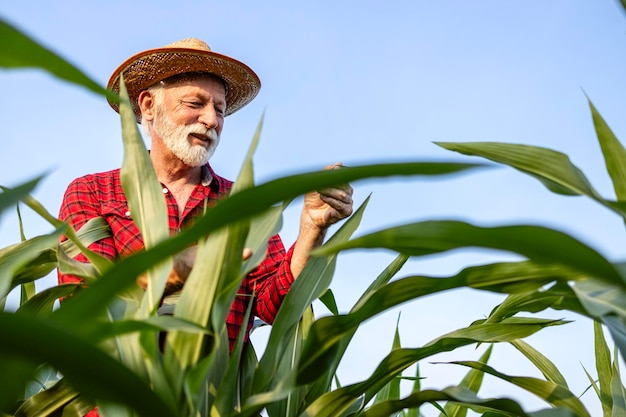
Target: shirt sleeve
column 80, row 204
column 272, row 280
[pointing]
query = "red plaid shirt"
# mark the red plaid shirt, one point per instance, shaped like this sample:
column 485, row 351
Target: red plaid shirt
column 102, row 195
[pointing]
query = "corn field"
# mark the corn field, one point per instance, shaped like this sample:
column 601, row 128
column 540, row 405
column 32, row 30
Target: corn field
column 111, row 326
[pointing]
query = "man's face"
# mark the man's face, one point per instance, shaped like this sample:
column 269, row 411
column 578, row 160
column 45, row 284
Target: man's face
column 188, row 118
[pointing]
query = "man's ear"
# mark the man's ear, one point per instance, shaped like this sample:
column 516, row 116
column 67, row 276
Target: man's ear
column 146, row 102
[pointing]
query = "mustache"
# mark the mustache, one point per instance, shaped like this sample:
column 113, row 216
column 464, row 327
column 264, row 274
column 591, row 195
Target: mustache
column 200, row 129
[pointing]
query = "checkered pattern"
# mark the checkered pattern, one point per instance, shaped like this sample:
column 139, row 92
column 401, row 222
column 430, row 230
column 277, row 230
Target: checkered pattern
column 101, row 194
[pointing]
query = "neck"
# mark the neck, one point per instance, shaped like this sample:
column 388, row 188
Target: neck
column 169, row 169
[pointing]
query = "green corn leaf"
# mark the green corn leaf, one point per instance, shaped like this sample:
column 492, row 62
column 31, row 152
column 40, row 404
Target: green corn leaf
column 558, row 296
column 48, row 401
column 36, row 340
column 514, row 277
column 541, row 362
column 227, row 397
column 314, row 280
column 324, row 383
column 271, row 371
column 550, row 392
column 601, row 298
column 613, row 151
column 617, row 326
column 414, row 412
column 92, row 231
column 492, row 407
column 27, row 289
column 552, row 168
column 145, row 199
column 107, row 330
column 43, row 302
column 239, row 206
column 20, row 255
column 11, row 196
column 391, row 391
column 79, row 407
column 322, row 344
column 21, row 371
column 20, row 51
column 207, row 301
column 328, row 299
column 604, row 369
column 618, row 392
column 456, row 394
column 262, row 227
column 45, row 377
column 40, row 266
column 539, row 244
column 606, row 412
column 472, row 381
column 84, row 270
column 398, row 360
column 47, row 260
column 247, row 366
column 296, row 399
column 99, row 262
column 381, row 280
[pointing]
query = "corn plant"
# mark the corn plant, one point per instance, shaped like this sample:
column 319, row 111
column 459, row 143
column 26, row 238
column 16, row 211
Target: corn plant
column 100, row 348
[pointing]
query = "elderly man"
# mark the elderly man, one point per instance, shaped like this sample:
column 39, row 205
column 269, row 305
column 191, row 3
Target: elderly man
column 182, row 93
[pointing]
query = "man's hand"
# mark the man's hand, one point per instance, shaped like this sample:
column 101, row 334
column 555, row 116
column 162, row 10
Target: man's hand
column 326, row 207
column 183, row 262
column 322, row 209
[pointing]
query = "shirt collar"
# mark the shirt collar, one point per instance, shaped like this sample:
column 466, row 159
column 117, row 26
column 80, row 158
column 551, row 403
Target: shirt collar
column 206, row 176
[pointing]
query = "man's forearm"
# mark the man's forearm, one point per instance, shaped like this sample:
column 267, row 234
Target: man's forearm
column 310, row 237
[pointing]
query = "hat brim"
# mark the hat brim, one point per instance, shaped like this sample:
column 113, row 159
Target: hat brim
column 149, row 67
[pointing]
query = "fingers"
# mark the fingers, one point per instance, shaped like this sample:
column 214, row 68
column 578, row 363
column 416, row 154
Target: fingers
column 342, row 194
column 340, row 197
column 330, row 205
column 336, row 165
column 247, row 253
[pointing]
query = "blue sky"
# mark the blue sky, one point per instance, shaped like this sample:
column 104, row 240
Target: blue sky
column 361, row 82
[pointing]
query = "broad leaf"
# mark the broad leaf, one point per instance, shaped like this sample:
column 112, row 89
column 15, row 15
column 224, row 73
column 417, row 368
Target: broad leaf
column 539, row 244
column 555, row 394
column 34, row 339
column 20, row 51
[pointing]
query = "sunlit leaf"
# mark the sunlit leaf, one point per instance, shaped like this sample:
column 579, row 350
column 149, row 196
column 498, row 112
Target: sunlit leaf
column 236, row 207
column 554, row 169
column 48, row 401
column 145, row 198
column 43, row 302
column 472, row 381
column 21, row 255
column 11, row 196
column 617, row 391
column 541, row 362
column 398, row 360
column 21, row 51
column 539, row 244
column 613, row 151
column 550, row 392
column 36, row 340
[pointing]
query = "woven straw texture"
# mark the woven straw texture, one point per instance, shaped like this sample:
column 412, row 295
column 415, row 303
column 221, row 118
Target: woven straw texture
column 188, row 55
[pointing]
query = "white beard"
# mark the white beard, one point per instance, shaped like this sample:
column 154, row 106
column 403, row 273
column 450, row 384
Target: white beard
column 176, row 138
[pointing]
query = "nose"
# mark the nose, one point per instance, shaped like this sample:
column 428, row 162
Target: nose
column 208, row 117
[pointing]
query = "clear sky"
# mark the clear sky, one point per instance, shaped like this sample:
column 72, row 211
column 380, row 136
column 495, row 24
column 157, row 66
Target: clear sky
column 360, row 82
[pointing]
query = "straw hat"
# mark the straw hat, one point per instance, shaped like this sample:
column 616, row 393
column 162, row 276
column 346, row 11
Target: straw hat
column 188, row 55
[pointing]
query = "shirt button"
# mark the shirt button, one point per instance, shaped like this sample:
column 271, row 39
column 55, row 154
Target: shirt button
column 165, row 190
column 127, row 213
